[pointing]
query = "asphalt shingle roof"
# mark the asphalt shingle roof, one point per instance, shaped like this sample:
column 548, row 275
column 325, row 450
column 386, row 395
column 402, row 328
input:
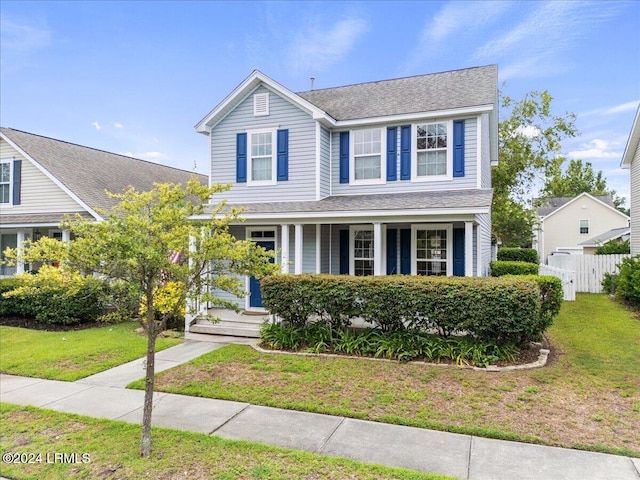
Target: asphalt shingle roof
column 88, row 172
column 46, row 218
column 424, row 93
column 606, row 236
column 392, row 202
column 551, row 204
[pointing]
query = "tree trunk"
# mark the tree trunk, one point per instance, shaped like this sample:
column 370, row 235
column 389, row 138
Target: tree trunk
column 145, row 446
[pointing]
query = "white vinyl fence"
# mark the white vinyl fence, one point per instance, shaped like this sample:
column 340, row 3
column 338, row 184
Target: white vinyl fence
column 589, row 269
column 566, row 276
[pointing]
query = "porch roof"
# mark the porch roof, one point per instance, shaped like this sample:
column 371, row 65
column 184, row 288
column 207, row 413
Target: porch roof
column 389, row 204
column 39, row 219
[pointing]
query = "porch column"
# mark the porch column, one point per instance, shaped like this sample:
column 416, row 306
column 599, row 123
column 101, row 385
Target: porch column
column 19, row 249
column 318, row 248
column 479, row 263
column 298, row 252
column 377, row 249
column 66, row 236
column 468, row 249
column 285, row 248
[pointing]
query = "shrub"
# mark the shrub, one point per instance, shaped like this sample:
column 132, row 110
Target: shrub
column 626, row 282
column 56, row 296
column 169, row 301
column 551, row 297
column 500, row 268
column 614, row 248
column 509, row 254
column 490, row 309
column 11, row 306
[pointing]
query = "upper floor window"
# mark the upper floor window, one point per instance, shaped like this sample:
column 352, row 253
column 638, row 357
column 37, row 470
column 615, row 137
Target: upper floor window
column 433, row 154
column 261, row 104
column 5, row 183
column 262, row 166
column 367, row 165
column 584, row 226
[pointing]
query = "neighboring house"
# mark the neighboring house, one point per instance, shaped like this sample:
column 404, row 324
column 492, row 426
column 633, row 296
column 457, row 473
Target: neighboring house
column 380, row 178
column 42, row 179
column 631, row 160
column 566, row 222
column 590, row 246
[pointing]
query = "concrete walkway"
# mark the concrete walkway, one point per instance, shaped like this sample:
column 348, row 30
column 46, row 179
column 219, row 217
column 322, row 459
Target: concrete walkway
column 462, row 456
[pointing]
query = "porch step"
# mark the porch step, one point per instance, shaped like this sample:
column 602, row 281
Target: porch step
column 226, row 330
column 231, row 324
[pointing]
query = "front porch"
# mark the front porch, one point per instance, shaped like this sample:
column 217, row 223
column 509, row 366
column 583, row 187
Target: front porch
column 14, row 238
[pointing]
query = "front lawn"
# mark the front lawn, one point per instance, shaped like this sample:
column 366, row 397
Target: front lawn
column 72, row 354
column 112, row 450
column 589, row 397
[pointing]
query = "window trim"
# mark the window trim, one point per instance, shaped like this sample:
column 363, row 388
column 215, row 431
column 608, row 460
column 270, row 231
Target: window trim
column 580, row 227
column 414, row 153
column 383, row 159
column 10, row 162
column 414, row 244
column 352, row 244
column 274, row 157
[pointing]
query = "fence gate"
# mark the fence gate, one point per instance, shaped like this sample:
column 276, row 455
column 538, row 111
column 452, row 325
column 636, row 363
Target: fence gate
column 567, row 277
column 589, row 269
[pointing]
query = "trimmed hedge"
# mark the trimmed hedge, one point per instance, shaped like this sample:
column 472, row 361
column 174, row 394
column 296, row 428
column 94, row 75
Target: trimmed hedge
column 11, row 306
column 551, row 297
column 512, row 254
column 500, row 268
column 489, row 309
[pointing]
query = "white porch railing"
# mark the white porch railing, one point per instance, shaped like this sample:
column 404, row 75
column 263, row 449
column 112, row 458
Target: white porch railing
column 567, row 277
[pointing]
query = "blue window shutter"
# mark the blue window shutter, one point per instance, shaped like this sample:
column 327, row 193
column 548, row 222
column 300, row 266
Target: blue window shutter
column 241, row 158
column 17, row 179
column 405, row 251
column 405, row 152
column 283, row 155
column 344, row 252
column 458, row 148
column 458, row 252
column 344, row 157
column 392, row 149
column 392, row 251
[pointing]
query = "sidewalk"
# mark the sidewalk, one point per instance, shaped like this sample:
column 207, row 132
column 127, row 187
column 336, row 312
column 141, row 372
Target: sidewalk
column 463, row 456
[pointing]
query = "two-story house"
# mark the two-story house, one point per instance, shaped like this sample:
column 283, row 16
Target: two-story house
column 381, row 178
column 43, row 179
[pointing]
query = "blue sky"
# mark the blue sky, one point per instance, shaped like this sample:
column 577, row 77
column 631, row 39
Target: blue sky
column 135, row 77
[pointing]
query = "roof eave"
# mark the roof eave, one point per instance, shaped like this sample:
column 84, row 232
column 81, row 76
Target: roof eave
column 632, row 143
column 451, row 112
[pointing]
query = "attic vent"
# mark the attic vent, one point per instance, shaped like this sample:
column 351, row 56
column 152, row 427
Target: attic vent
column 261, row 104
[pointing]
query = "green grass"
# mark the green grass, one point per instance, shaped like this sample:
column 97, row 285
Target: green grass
column 73, row 354
column 113, row 452
column 588, row 398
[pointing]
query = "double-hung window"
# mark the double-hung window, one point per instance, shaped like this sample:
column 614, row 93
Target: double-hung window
column 433, row 153
column 584, row 226
column 367, row 165
column 433, row 250
column 362, row 248
column 262, row 163
column 5, row 183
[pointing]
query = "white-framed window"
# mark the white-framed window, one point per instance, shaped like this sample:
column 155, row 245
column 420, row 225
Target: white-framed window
column 432, row 151
column 5, row 182
column 261, row 104
column 361, row 260
column 367, row 151
column 584, row 226
column 7, row 240
column 432, row 249
column 261, row 162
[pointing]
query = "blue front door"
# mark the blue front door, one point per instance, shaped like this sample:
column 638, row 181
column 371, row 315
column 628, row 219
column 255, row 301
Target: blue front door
column 255, row 300
column 458, row 252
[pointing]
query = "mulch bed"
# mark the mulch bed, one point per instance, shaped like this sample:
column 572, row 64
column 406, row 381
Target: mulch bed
column 33, row 324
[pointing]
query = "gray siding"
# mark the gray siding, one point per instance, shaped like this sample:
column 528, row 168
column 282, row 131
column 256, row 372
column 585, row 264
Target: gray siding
column 309, row 249
column 484, row 233
column 238, row 231
column 325, row 170
column 326, row 249
column 468, row 181
column 635, row 202
column 302, row 165
column 485, row 155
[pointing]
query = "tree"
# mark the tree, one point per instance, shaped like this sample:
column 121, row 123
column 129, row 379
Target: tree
column 529, row 141
column 151, row 239
column 580, row 178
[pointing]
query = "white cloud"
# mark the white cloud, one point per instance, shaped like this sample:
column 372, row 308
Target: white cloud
column 318, row 48
column 596, row 149
column 151, row 156
column 96, row 125
column 528, row 131
column 118, row 125
column 22, row 38
column 625, row 107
